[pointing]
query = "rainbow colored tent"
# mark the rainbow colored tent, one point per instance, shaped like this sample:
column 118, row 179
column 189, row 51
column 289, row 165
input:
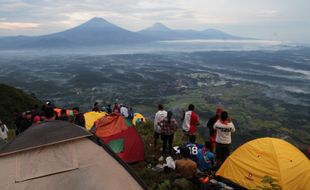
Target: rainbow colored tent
column 91, row 117
column 121, row 136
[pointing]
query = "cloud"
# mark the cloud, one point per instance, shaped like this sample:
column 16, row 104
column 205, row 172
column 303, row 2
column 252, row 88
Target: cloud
column 266, row 13
column 17, row 25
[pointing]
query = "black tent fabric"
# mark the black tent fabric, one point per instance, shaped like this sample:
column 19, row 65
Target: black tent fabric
column 47, row 133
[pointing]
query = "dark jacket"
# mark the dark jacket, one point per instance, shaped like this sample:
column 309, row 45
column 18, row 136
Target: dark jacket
column 79, row 120
column 211, row 123
column 24, row 124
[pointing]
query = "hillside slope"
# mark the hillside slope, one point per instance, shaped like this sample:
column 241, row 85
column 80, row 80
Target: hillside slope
column 12, row 100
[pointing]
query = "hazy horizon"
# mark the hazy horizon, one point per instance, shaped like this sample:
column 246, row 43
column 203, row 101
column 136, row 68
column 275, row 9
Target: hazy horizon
column 274, row 20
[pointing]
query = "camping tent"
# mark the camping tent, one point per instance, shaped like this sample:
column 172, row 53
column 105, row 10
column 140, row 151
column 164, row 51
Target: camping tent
column 58, row 155
column 91, row 117
column 121, row 136
column 136, row 117
column 271, row 157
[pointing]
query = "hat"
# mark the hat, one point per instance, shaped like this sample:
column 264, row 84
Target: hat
column 219, row 111
column 28, row 112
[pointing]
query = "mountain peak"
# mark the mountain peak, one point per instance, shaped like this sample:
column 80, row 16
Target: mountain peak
column 158, row 27
column 97, row 19
column 98, row 22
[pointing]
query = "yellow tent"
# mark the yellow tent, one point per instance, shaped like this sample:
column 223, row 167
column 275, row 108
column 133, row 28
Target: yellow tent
column 267, row 157
column 91, row 117
column 136, row 117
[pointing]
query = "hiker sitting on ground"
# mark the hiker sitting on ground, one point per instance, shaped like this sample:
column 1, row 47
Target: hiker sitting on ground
column 206, row 158
column 159, row 116
column 224, row 127
column 168, row 127
column 78, row 118
column 186, row 172
column 193, row 147
column 186, row 167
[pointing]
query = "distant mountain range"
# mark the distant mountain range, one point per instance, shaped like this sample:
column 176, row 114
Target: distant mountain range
column 161, row 31
column 99, row 32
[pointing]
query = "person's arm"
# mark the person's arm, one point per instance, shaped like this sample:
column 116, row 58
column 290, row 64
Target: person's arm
column 215, row 125
column 233, row 129
column 6, row 128
column 161, row 124
column 175, row 125
column 198, row 120
column 155, row 121
column 83, row 121
column 213, row 160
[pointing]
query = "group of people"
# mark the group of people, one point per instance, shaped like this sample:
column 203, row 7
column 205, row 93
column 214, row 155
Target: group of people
column 205, row 157
column 47, row 112
column 122, row 109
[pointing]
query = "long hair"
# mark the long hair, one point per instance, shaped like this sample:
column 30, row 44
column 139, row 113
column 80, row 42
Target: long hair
column 169, row 116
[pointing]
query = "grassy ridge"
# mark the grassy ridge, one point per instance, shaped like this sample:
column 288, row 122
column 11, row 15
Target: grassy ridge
column 11, row 100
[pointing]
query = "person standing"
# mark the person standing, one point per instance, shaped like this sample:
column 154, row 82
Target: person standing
column 212, row 131
column 26, row 122
column 159, row 116
column 224, row 127
column 78, row 118
column 63, row 115
column 168, row 127
column 109, row 109
column 124, row 111
column 96, row 107
column 190, row 121
column 117, row 108
column 131, row 114
column 3, row 131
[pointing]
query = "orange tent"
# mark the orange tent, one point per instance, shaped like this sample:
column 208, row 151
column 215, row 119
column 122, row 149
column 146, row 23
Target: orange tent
column 110, row 125
column 121, row 136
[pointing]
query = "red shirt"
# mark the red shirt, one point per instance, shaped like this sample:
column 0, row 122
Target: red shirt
column 194, row 122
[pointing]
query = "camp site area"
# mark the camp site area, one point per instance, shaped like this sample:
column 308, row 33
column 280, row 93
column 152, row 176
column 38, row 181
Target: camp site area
column 113, row 155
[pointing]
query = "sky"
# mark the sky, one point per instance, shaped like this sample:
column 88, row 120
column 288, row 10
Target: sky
column 285, row 20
